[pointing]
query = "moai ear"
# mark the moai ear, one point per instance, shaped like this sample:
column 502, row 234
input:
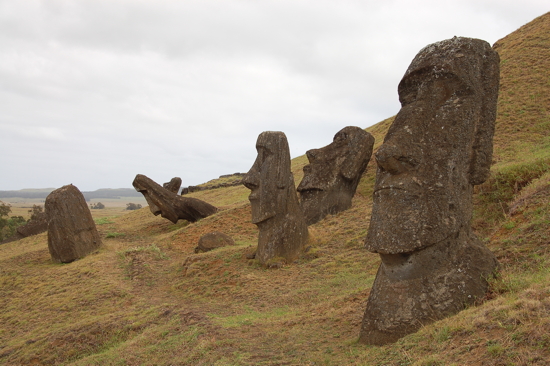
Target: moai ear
column 282, row 153
column 276, row 145
column 482, row 149
column 360, row 151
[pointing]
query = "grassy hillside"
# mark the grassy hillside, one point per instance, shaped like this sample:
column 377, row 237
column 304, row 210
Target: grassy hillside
column 522, row 137
column 146, row 299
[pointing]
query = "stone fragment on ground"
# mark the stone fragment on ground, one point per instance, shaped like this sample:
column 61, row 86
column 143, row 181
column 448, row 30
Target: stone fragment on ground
column 213, row 240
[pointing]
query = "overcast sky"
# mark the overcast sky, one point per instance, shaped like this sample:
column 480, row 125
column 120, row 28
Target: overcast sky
column 94, row 92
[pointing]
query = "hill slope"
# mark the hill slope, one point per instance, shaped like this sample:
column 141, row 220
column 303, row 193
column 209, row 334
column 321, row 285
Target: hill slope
column 147, row 299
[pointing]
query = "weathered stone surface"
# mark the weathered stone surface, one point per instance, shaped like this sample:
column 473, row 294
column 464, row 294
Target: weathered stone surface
column 170, row 205
column 333, row 173
column 72, row 233
column 174, row 185
column 275, row 209
column 436, row 150
column 212, row 241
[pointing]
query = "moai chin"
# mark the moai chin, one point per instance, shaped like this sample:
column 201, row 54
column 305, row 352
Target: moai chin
column 275, row 209
column 170, row 205
column 438, row 147
column 333, row 173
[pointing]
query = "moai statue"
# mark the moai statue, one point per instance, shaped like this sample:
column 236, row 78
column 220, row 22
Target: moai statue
column 72, row 233
column 333, row 173
column 174, row 185
column 438, row 147
column 170, row 205
column 275, row 209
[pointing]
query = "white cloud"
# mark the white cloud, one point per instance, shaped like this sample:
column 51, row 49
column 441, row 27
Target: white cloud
column 94, row 92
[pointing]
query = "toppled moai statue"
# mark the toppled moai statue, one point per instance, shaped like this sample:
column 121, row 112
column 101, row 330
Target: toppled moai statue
column 36, row 225
column 438, row 147
column 275, row 209
column 170, row 205
column 174, row 185
column 213, row 240
column 72, row 233
column 333, row 173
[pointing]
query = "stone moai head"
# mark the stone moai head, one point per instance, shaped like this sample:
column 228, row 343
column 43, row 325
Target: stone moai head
column 438, row 147
column 269, row 177
column 158, row 198
column 333, row 173
column 168, row 204
column 275, row 208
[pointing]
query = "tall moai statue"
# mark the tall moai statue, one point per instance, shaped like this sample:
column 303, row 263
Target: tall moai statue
column 333, row 173
column 72, row 233
column 438, row 147
column 168, row 204
column 275, row 209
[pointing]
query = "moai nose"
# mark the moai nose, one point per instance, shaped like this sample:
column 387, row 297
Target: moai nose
column 387, row 158
column 251, row 180
column 312, row 154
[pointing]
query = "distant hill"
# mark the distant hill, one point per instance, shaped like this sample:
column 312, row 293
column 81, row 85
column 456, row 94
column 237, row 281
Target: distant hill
column 100, row 193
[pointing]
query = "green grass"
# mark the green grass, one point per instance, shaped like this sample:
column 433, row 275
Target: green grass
column 103, row 220
column 152, row 250
column 114, row 235
column 251, row 317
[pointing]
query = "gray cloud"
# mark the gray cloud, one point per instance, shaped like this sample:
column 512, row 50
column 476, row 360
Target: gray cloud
column 94, row 92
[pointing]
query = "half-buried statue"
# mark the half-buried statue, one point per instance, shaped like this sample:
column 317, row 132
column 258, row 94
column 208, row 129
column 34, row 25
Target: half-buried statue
column 333, row 173
column 72, row 233
column 275, row 209
column 438, row 147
